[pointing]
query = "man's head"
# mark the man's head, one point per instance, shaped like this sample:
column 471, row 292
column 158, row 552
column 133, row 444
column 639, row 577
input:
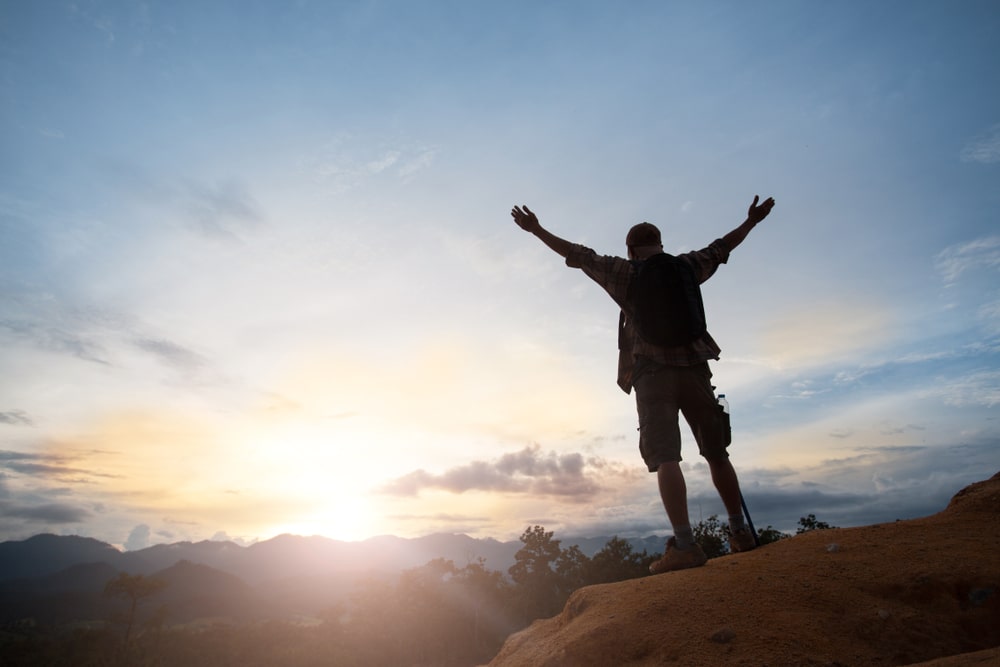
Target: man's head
column 643, row 240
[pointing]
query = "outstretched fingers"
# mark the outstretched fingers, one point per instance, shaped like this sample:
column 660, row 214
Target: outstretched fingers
column 759, row 211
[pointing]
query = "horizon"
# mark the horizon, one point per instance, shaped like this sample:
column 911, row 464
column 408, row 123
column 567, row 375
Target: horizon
column 258, row 274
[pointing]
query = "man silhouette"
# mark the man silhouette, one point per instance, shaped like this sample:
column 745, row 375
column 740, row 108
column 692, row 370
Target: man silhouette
column 668, row 380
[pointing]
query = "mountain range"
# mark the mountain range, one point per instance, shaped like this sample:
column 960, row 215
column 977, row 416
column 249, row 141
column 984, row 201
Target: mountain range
column 54, row 579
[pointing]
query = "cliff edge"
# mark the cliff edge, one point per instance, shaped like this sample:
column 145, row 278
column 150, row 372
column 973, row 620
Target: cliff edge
column 898, row 593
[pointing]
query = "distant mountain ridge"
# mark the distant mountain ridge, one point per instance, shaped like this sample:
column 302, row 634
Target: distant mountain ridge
column 280, row 557
column 57, row 579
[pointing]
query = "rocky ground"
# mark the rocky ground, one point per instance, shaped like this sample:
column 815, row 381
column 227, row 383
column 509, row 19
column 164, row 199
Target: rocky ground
column 924, row 591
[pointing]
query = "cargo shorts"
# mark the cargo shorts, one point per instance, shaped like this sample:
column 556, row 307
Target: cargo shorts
column 663, row 391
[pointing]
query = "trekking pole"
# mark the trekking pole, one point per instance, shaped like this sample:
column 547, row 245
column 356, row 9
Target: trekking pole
column 724, row 404
column 746, row 513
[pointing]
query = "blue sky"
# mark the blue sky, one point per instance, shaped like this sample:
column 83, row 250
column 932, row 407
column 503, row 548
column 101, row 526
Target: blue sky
column 258, row 274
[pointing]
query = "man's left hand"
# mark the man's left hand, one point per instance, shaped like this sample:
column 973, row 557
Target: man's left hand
column 758, row 213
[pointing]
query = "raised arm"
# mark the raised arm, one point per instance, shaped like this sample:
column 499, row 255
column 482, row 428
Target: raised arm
column 754, row 215
column 528, row 221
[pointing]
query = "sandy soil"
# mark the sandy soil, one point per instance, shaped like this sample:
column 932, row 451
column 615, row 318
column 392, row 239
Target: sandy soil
column 910, row 592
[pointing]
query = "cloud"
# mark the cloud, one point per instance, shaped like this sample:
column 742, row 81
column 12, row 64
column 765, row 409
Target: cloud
column 90, row 333
column 348, row 161
column 44, row 465
column 50, row 336
column 529, row 471
column 418, row 162
column 36, row 464
column 869, row 485
column 47, row 513
column 985, row 148
column 16, row 417
column 138, row 538
column 980, row 388
column 957, row 259
column 383, row 162
column 170, row 353
column 222, row 209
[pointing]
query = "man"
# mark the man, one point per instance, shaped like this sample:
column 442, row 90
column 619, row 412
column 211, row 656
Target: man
column 668, row 379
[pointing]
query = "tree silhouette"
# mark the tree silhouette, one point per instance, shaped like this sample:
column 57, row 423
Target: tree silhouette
column 809, row 522
column 770, row 535
column 713, row 536
column 485, row 595
column 537, row 583
column 133, row 588
column 617, row 561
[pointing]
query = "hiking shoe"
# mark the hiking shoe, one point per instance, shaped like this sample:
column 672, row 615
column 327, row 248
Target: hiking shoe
column 678, row 559
column 742, row 540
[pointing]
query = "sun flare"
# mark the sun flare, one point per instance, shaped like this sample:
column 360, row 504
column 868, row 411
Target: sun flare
column 340, row 517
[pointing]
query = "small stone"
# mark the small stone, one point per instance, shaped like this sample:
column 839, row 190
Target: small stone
column 884, row 614
column 832, row 548
column 723, row 635
column 980, row 595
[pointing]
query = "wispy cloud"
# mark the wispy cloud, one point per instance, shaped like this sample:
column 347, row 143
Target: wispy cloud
column 16, row 418
column 984, row 148
column 50, row 336
column 419, row 161
column 529, row 471
column 171, row 353
column 957, row 259
column 47, row 513
column 51, row 466
column 347, row 161
column 89, row 333
column 221, row 209
column 32, row 508
column 979, row 388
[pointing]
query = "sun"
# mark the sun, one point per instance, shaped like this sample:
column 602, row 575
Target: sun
column 343, row 517
column 348, row 518
column 323, row 477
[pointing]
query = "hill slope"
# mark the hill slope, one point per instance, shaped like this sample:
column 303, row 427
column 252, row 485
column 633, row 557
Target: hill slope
column 888, row 594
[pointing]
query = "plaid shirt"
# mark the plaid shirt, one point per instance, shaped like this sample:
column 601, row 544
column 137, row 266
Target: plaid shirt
column 615, row 273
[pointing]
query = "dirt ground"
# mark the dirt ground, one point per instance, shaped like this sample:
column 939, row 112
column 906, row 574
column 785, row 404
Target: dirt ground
column 924, row 591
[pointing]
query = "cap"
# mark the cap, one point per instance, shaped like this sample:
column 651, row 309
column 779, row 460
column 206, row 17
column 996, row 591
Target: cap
column 643, row 234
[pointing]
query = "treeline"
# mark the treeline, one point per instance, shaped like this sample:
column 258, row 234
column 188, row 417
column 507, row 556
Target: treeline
column 437, row 614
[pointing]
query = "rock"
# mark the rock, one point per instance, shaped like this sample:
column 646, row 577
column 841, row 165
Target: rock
column 723, row 636
column 935, row 579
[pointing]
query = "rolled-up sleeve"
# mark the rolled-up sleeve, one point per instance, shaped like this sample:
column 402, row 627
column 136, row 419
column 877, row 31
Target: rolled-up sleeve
column 707, row 260
column 610, row 272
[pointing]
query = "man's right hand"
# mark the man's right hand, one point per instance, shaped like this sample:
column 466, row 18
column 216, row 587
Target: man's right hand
column 528, row 221
column 525, row 219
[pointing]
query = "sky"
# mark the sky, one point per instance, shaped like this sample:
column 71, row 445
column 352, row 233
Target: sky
column 258, row 273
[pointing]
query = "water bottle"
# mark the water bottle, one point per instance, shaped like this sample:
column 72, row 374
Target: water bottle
column 727, row 428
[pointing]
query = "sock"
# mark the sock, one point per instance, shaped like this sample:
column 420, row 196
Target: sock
column 683, row 537
column 736, row 523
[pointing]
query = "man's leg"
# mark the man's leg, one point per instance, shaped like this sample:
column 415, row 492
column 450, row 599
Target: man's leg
column 711, row 429
column 727, row 484
column 673, row 492
column 682, row 551
column 660, row 444
column 724, row 477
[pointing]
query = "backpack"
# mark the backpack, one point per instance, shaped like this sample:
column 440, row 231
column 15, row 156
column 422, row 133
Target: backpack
column 664, row 300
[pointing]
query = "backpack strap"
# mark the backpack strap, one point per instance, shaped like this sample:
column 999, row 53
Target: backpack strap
column 636, row 263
